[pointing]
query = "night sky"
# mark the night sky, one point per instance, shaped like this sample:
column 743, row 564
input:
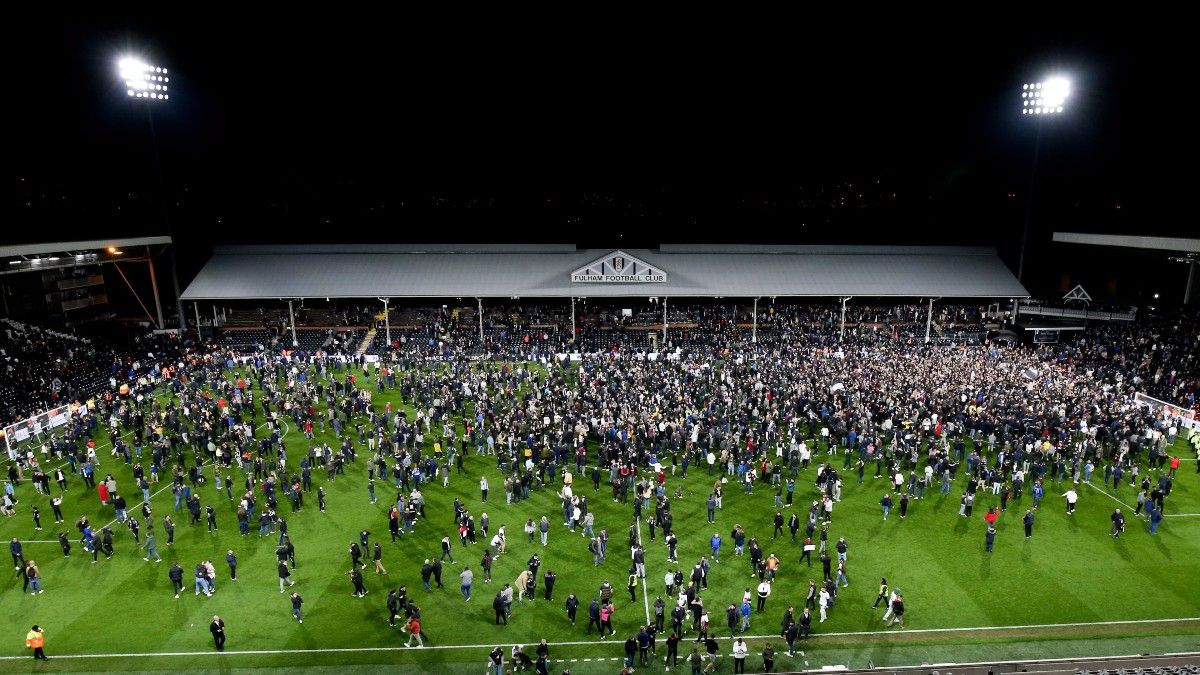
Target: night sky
column 602, row 132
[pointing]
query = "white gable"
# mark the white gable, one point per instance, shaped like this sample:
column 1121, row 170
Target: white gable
column 618, row 267
column 1078, row 293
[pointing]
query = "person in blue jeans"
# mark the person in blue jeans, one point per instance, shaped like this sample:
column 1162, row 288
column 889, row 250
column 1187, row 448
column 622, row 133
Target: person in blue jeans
column 202, row 580
column 467, row 577
column 886, row 503
column 496, row 661
column 715, row 544
column 1156, row 516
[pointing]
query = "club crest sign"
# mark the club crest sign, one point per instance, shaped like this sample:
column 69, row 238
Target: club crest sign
column 618, row 267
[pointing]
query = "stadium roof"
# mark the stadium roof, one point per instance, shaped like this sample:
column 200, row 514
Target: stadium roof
column 91, row 245
column 40, row 257
column 1173, row 244
column 358, row 271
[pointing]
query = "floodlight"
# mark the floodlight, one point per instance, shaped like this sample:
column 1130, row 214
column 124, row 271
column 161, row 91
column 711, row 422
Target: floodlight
column 141, row 78
column 1048, row 96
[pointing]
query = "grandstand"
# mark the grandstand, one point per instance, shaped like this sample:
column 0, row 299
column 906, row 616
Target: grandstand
column 605, row 292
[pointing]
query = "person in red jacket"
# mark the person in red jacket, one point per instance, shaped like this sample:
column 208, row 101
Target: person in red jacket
column 991, row 515
column 1174, row 465
column 414, row 631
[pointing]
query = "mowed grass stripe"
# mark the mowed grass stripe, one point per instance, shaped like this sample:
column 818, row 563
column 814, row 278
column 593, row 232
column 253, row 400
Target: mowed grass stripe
column 1131, row 588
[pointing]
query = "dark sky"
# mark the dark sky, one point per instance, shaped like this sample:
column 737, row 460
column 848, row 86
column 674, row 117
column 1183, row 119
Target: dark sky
column 600, row 131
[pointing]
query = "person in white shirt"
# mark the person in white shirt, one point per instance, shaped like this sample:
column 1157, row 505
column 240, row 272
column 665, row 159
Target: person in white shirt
column 739, row 656
column 823, row 602
column 1072, row 497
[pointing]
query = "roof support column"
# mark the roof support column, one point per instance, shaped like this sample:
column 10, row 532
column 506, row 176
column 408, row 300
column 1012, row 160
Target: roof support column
column 572, row 317
column 154, row 288
column 196, row 307
column 929, row 320
column 664, row 323
column 387, row 323
column 480, row 301
column 754, row 324
column 292, row 317
column 1187, row 291
column 1016, row 310
column 842, row 329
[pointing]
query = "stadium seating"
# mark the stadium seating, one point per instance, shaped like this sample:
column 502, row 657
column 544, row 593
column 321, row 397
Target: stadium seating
column 42, row 366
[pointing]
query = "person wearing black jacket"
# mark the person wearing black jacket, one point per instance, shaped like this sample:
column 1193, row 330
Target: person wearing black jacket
column 217, row 628
column 572, row 606
column 631, row 648
column 549, row 580
column 678, row 614
column 594, row 617
column 794, row 525
column 194, row 509
column 788, row 618
column 176, row 576
column 779, row 526
column 496, row 659
column 357, row 578
column 672, row 657
column 284, row 575
column 498, row 605
column 792, row 632
column 426, row 574
column 393, row 607
column 437, row 573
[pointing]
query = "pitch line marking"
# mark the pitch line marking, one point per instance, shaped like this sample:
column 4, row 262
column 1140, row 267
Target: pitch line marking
column 1165, row 515
column 645, row 598
column 490, row 645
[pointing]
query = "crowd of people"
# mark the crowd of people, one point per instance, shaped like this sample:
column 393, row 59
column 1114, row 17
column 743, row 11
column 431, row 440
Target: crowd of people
column 793, row 406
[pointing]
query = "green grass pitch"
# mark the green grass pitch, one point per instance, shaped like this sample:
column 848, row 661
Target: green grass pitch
column 1070, row 572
